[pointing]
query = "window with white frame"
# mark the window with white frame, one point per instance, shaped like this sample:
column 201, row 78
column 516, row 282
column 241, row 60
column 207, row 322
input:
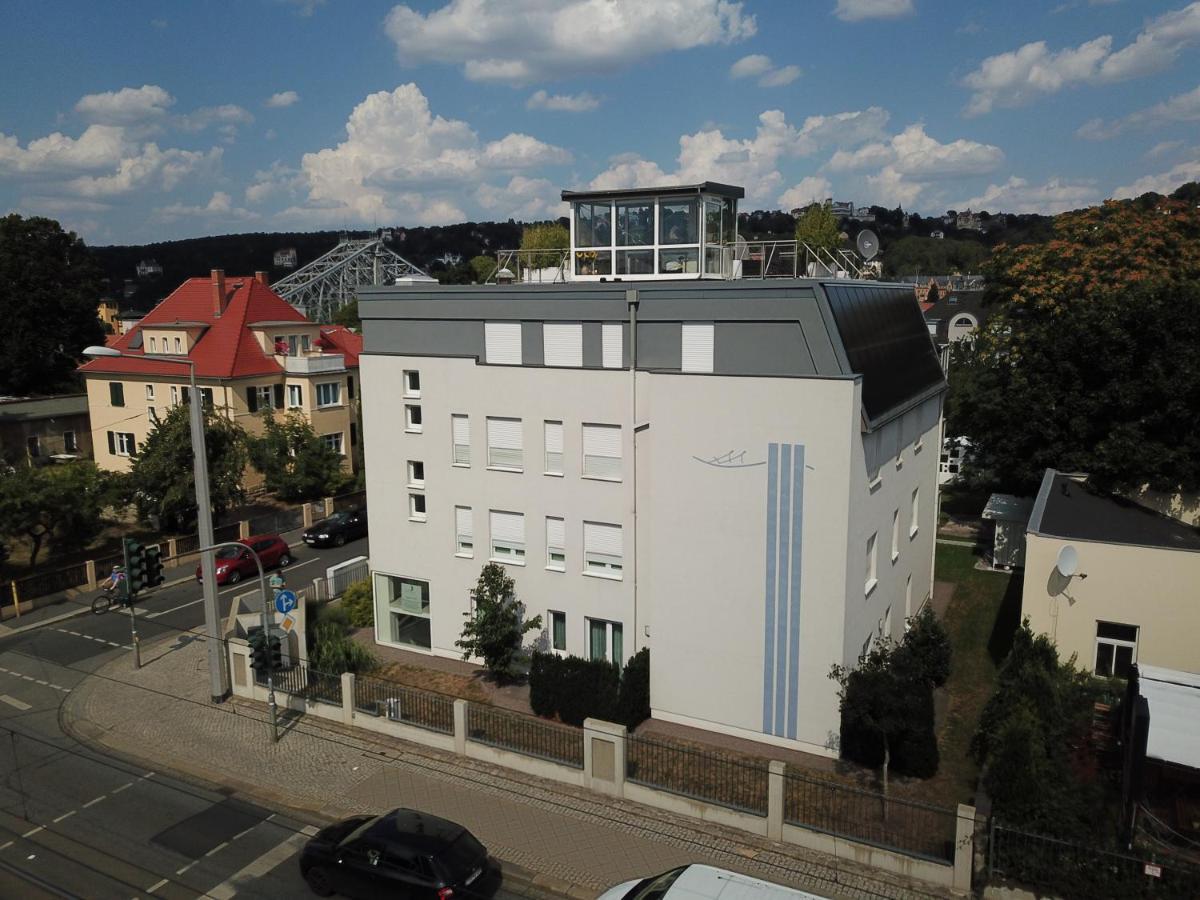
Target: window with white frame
column 871, row 566
column 333, row 442
column 697, row 348
column 70, row 444
column 506, row 448
column 464, row 531
column 150, row 392
column 916, row 509
column 295, row 396
column 502, row 343
column 508, row 536
column 178, row 346
column 606, row 640
column 612, row 338
column 412, row 383
column 558, row 631
column 174, row 395
column 556, row 544
column 603, row 551
column 412, row 418
column 554, row 448
column 602, row 451
column 416, row 507
column 908, row 610
column 416, row 473
column 264, row 397
column 153, row 345
column 305, row 343
column 460, row 431
column 895, row 535
column 562, row 344
column 329, row 393
column 407, row 604
column 1116, row 648
column 124, row 443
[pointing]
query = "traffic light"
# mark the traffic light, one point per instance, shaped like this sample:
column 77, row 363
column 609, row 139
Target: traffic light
column 259, row 651
column 135, row 566
column 275, row 648
column 153, row 566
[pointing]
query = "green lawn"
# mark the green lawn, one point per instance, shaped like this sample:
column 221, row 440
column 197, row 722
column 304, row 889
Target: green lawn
column 981, row 618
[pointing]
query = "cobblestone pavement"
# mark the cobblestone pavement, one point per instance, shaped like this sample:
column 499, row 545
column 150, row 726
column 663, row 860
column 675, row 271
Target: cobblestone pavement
column 162, row 716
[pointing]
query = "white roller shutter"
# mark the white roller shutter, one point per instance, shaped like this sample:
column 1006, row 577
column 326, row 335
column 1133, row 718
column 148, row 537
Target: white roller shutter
column 464, row 522
column 602, row 539
column 562, row 345
column 507, row 527
column 502, row 342
column 611, row 340
column 602, row 451
column 554, row 447
column 697, row 353
column 505, row 447
column 556, row 533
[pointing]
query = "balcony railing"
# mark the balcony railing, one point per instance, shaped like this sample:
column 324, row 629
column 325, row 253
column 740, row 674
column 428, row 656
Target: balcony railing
column 314, row 364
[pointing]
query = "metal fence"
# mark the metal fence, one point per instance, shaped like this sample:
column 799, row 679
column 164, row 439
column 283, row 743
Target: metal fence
column 425, row 709
column 918, row 829
column 278, row 521
column 228, row 532
column 58, row 580
column 699, row 774
column 301, row 681
column 1073, row 870
column 525, row 735
column 353, row 500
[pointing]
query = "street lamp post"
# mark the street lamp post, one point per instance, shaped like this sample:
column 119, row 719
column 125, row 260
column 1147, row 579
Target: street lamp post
column 208, row 564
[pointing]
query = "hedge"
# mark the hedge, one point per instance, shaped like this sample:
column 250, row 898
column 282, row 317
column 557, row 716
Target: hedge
column 574, row 689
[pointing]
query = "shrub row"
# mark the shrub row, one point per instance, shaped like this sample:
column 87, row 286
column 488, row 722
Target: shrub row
column 574, row 689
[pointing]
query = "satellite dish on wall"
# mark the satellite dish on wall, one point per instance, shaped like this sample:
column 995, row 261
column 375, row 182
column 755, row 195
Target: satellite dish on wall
column 1068, row 561
column 867, row 243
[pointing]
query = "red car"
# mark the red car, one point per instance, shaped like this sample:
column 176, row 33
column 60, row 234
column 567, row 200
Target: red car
column 234, row 564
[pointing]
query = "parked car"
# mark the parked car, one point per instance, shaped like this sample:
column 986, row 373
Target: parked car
column 348, row 525
column 234, row 564
column 403, row 853
column 697, row 882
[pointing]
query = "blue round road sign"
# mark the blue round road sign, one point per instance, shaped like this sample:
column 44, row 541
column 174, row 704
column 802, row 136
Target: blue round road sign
column 285, row 602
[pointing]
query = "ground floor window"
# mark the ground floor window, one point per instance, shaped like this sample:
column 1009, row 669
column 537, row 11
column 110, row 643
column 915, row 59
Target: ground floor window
column 558, row 630
column 407, row 603
column 333, row 442
column 605, row 640
column 1116, row 648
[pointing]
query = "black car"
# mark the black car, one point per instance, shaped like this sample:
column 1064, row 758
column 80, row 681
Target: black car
column 401, row 853
column 348, row 525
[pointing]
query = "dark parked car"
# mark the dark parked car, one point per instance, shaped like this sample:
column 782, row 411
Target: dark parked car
column 234, row 564
column 337, row 529
column 403, row 853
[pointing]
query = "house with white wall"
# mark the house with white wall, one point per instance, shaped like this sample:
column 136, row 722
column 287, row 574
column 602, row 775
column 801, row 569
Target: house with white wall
column 738, row 474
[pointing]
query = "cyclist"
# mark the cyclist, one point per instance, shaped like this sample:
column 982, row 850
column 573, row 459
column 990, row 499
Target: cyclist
column 114, row 581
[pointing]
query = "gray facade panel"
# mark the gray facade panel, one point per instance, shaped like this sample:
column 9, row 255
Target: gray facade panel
column 532, row 350
column 416, row 337
column 824, row 354
column 761, row 348
column 660, row 345
column 592, row 350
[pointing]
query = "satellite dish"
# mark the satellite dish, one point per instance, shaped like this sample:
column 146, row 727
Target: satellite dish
column 868, row 244
column 1068, row 561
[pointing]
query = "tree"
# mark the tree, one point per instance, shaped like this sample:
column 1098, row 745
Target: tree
column 818, row 227
column 62, row 503
column 495, row 629
column 347, row 316
column 295, row 463
column 162, row 482
column 49, row 285
column 1091, row 360
column 483, row 267
column 928, row 644
column 551, row 237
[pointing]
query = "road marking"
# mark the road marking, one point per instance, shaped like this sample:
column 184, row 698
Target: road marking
column 122, row 787
column 65, row 815
column 31, row 832
column 90, row 637
column 6, row 845
column 260, row 867
column 154, row 887
column 94, row 802
column 163, row 612
column 240, row 586
column 30, row 678
column 14, row 702
column 217, row 849
column 185, row 868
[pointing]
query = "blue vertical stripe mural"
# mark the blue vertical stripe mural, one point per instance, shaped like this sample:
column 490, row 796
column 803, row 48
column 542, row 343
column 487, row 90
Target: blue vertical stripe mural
column 781, row 630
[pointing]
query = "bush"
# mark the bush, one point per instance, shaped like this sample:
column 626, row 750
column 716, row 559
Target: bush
column 331, row 651
column 929, row 645
column 633, row 700
column 543, row 684
column 359, row 604
column 573, row 689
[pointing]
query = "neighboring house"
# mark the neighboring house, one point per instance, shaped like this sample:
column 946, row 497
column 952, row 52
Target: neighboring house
column 954, row 316
column 937, row 234
column 48, row 428
column 740, row 475
column 1134, row 596
column 253, row 352
column 956, row 453
column 108, row 312
column 149, row 268
column 285, row 258
column 127, row 320
column 969, row 221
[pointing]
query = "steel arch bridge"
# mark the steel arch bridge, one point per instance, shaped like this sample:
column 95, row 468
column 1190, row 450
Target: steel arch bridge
column 329, row 282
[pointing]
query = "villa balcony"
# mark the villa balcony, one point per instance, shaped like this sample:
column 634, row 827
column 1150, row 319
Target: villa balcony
column 314, row 364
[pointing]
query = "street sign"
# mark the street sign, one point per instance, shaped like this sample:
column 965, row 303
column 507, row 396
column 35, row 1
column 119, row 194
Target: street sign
column 288, row 623
column 285, row 602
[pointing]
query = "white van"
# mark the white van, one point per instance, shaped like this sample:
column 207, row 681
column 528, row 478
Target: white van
column 697, row 882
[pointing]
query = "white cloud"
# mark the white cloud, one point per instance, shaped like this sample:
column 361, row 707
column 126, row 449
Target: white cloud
column 220, row 206
column 1162, row 148
column 1163, row 182
column 750, row 66
column 227, row 115
column 584, row 102
column 277, row 179
column 890, row 188
column 304, row 8
column 858, row 10
column 126, row 106
column 807, row 190
column 522, row 199
column 151, row 168
column 784, row 75
column 914, row 154
column 1019, row 196
column 1180, row 108
column 520, row 151
column 99, row 147
column 518, row 41
column 282, row 99
column 1020, row 76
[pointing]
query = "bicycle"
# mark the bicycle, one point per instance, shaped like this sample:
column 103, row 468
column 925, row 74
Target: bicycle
column 103, row 603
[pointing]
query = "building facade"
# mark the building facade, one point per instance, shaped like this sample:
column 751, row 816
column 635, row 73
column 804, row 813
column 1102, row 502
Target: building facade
column 739, row 475
column 49, row 428
column 252, row 352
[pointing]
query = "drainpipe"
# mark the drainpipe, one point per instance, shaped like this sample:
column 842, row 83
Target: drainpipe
column 631, row 298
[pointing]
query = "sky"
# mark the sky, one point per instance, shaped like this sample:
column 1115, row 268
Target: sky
column 132, row 122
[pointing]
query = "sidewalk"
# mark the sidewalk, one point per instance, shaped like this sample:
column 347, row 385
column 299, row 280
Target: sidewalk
column 161, row 715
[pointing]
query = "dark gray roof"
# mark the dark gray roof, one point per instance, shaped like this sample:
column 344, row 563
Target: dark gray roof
column 1069, row 507
column 705, row 187
column 44, row 408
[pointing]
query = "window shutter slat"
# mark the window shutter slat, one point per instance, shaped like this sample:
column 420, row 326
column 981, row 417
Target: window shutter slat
column 554, row 437
column 556, row 533
column 611, row 349
column 464, row 521
column 562, row 345
column 697, row 352
column 598, row 538
column 602, row 440
column 462, row 429
column 509, row 527
column 502, row 343
column 252, row 398
column 504, row 434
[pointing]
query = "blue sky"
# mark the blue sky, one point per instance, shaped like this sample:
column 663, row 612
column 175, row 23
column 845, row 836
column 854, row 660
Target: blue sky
column 138, row 121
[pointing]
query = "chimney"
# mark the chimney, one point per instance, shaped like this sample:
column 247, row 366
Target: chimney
column 260, row 277
column 218, row 291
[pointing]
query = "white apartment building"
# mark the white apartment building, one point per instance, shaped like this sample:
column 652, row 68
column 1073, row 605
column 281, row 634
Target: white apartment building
column 738, row 474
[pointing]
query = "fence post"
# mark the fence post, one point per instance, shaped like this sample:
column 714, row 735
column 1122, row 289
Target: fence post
column 775, row 771
column 306, row 514
column 964, row 848
column 16, row 598
column 348, row 698
column 328, row 507
column 91, row 574
column 172, row 549
column 460, row 727
column 243, row 529
column 604, row 756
